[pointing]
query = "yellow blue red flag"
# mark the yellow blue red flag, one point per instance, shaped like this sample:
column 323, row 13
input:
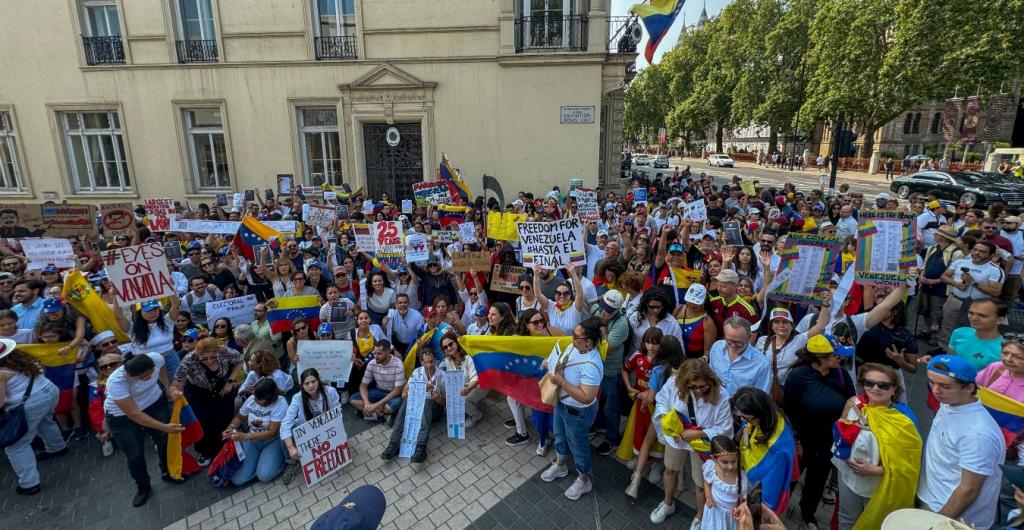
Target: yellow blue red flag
column 458, row 187
column 657, row 16
column 252, row 234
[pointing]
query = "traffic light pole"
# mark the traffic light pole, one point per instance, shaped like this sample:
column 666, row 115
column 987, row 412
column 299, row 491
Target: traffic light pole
column 837, row 132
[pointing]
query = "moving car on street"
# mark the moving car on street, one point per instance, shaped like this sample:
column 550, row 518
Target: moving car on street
column 973, row 188
column 661, row 161
column 642, row 160
column 720, row 161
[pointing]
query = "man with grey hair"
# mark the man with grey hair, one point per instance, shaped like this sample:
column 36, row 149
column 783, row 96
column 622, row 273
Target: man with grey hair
column 246, row 339
column 737, row 363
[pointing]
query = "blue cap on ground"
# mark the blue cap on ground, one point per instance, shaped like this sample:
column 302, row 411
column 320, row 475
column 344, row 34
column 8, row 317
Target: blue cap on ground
column 953, row 366
column 362, row 509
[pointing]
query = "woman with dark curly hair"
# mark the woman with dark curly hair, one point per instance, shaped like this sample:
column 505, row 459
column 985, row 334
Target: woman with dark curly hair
column 655, row 311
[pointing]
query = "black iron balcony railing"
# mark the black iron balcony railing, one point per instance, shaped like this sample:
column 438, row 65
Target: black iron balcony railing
column 197, row 51
column 624, row 34
column 338, row 47
column 103, row 50
column 551, row 31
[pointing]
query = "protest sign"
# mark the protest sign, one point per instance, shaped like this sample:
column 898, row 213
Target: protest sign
column 368, row 207
column 445, row 236
column 284, row 183
column 503, row 226
column 139, row 273
column 342, row 210
column 250, row 195
column 323, row 445
column 364, row 238
column 237, row 200
column 47, row 220
column 640, row 196
column 586, row 204
column 505, row 278
column 467, row 232
column 416, row 248
column 222, row 199
column 160, row 213
column 467, row 261
column 885, row 247
column 431, row 193
column 117, row 220
column 43, row 252
column 330, row 196
column 321, row 215
column 332, row 358
column 810, row 259
column 406, row 205
column 389, row 242
column 733, row 233
column 238, row 310
column 413, row 416
column 201, row 226
column 173, row 250
column 696, row 210
column 455, row 403
column 552, row 245
column 747, row 187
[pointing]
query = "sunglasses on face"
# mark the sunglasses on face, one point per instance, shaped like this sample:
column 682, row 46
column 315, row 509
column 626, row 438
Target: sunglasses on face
column 108, row 344
column 299, row 329
column 208, row 358
column 525, row 287
column 537, row 322
column 449, row 345
column 699, row 388
column 298, row 279
column 109, row 366
column 220, row 326
column 561, row 293
column 867, row 383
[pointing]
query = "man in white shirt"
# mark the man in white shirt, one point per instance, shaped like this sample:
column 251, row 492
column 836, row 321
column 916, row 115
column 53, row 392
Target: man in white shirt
column 846, row 226
column 971, row 278
column 403, row 323
column 1012, row 284
column 135, row 406
column 960, row 475
column 928, row 221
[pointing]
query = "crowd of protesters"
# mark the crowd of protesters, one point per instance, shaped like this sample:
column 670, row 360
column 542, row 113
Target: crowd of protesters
column 713, row 376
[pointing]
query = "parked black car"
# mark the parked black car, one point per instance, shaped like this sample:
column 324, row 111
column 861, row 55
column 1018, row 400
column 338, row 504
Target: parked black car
column 974, row 188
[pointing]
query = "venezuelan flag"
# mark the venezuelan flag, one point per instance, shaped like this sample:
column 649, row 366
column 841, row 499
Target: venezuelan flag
column 252, row 233
column 178, row 461
column 1008, row 412
column 448, row 214
column 411, row 360
column 80, row 294
column 512, row 365
column 907, row 262
column 773, row 464
column 657, row 17
column 899, row 445
column 281, row 312
column 59, row 369
column 458, row 187
column 867, row 228
column 788, row 253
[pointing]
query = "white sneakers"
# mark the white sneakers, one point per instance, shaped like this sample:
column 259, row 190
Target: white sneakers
column 578, row 488
column 543, row 447
column 695, row 525
column 654, row 475
column 554, row 472
column 634, row 485
column 661, row 512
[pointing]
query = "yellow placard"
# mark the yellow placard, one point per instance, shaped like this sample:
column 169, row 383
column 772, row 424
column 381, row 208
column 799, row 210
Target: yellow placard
column 748, row 187
column 504, row 226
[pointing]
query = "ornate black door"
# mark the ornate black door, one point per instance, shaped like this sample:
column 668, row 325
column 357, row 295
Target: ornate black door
column 394, row 159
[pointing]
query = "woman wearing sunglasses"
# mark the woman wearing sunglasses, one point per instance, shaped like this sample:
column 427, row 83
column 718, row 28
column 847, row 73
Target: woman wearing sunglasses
column 569, row 305
column 107, row 363
column 1006, row 377
column 878, row 450
column 527, row 299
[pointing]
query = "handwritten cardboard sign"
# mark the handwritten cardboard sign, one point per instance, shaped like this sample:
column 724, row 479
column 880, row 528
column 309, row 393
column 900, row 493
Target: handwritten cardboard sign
column 505, row 278
column 321, row 215
column 466, row 261
column 43, row 252
column 139, row 273
column 160, row 213
column 431, row 193
column 117, row 219
column 323, row 445
column 552, row 245
column 238, row 310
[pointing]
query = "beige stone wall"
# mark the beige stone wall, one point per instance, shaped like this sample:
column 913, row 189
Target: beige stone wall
column 492, row 111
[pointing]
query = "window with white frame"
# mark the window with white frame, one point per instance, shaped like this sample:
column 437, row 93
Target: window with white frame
column 335, row 18
column 207, row 149
column 94, row 146
column 321, row 145
column 10, row 173
column 100, row 18
column 195, row 20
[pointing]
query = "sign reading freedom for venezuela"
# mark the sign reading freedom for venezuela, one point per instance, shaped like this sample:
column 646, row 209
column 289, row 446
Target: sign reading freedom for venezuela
column 323, row 446
column 552, row 245
column 139, row 273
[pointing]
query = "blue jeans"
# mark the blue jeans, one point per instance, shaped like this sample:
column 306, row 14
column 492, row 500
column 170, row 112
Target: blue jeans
column 543, row 422
column 264, row 460
column 572, row 433
column 39, row 417
column 610, row 414
column 376, row 394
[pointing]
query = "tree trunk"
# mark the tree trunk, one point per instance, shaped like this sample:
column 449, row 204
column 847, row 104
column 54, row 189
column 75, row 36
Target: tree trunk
column 773, row 141
column 718, row 139
column 868, row 147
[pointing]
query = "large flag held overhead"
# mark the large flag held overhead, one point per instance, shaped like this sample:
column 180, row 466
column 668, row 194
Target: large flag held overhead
column 458, row 187
column 657, row 17
column 58, row 368
column 281, row 312
column 253, row 234
column 448, row 215
column 772, row 464
column 80, row 294
column 179, row 462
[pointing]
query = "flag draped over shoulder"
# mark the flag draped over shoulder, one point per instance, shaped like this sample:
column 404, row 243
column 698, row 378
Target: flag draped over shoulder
column 58, row 368
column 178, row 461
column 411, row 360
column 252, row 234
column 83, row 298
column 1008, row 412
column 458, row 187
column 657, row 16
column 281, row 312
column 512, row 365
column 899, row 444
column 772, row 464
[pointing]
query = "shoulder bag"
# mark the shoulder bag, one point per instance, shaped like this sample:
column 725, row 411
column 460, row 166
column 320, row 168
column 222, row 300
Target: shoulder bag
column 13, row 424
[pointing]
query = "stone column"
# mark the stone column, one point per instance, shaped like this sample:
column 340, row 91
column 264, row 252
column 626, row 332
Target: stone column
column 876, row 159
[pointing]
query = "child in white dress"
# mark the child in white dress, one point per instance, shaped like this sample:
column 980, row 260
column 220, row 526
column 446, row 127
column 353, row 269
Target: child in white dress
column 723, row 480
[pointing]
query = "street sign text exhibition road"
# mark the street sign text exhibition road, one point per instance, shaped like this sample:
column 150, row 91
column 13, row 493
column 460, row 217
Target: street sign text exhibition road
column 577, row 115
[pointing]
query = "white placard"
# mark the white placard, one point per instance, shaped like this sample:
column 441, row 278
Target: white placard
column 455, row 403
column 237, row 200
column 160, row 213
column 467, row 232
column 806, row 270
column 368, row 207
column 332, row 358
column 696, row 210
column 43, row 252
column 237, row 310
column 330, row 195
column 887, row 247
column 321, row 215
column 413, row 416
column 416, row 248
column 323, row 445
column 139, row 273
column 576, row 114
column 200, row 226
column 364, row 237
column 586, row 204
column 552, row 245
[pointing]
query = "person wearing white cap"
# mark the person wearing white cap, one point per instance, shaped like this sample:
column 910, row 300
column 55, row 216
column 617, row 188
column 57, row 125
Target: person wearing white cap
column 609, row 310
column 780, row 343
column 23, row 387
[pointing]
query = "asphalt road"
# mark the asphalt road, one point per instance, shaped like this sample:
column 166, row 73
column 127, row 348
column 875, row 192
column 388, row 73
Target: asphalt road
column 806, row 180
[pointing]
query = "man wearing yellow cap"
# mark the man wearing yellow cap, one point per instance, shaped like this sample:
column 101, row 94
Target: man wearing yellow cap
column 928, row 221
